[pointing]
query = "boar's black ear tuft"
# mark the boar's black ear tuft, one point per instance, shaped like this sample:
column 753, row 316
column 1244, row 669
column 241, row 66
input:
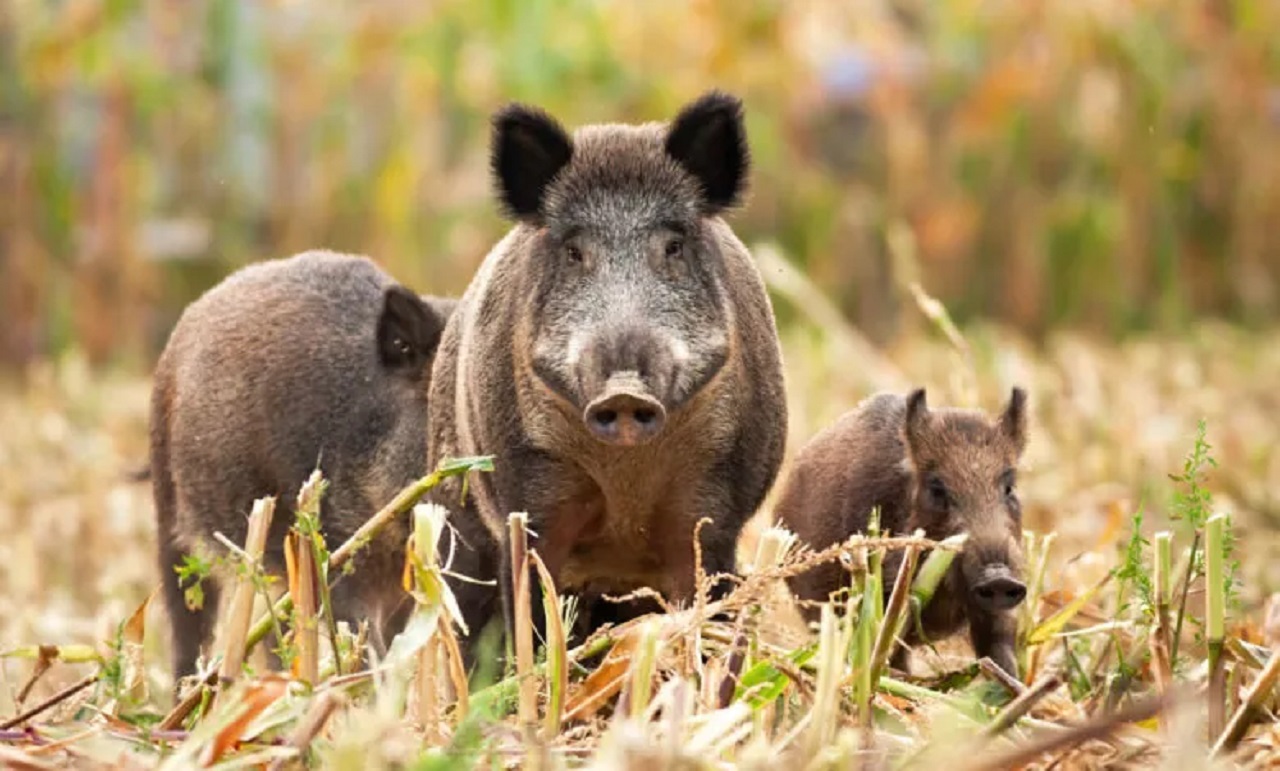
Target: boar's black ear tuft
column 1013, row 422
column 709, row 140
column 916, row 418
column 528, row 149
column 408, row 330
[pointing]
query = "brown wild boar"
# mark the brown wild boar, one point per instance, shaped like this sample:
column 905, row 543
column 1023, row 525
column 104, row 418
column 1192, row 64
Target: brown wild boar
column 946, row 471
column 319, row 359
column 616, row 353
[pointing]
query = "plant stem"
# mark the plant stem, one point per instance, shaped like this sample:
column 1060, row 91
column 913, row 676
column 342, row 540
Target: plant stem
column 895, row 613
column 518, row 537
column 52, row 701
column 1161, row 661
column 1215, row 618
column 1022, row 704
column 1182, row 603
column 343, row 554
column 242, row 604
column 1252, row 707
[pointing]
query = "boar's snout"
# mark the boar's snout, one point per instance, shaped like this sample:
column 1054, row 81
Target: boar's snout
column 626, row 414
column 998, row 589
column 625, row 375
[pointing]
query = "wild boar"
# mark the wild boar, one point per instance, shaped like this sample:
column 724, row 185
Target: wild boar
column 946, row 471
column 616, row 352
column 317, row 360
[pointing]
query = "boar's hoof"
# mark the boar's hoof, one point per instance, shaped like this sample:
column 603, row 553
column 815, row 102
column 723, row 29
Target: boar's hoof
column 625, row 419
column 999, row 592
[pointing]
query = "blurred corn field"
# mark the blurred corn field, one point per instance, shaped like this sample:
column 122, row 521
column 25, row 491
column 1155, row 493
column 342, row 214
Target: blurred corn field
column 1106, row 165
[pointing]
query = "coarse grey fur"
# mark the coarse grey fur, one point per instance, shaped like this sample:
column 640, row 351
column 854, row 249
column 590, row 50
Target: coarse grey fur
column 617, row 353
column 315, row 360
column 946, row 471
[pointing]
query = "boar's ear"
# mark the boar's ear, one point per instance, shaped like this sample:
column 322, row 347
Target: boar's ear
column 408, row 330
column 916, row 419
column 708, row 139
column 1013, row 422
column 528, row 149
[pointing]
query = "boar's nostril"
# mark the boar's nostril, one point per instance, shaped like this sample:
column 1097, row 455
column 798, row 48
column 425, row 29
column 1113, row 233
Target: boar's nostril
column 625, row 419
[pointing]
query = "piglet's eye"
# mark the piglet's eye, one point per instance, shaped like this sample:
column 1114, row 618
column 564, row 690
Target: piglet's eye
column 675, row 248
column 1007, row 484
column 939, row 498
column 573, row 253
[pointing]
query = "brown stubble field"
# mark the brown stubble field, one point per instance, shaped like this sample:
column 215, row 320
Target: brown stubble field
column 1111, row 422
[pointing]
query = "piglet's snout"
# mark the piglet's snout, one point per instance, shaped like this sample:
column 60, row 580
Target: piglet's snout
column 998, row 589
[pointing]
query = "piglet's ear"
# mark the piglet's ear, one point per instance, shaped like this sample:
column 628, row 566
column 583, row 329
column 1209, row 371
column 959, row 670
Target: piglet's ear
column 1013, row 421
column 408, row 330
column 709, row 140
column 916, row 420
column 528, row 149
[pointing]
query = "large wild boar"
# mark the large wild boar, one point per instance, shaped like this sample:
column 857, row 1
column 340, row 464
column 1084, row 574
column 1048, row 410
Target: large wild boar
column 616, row 352
column 946, row 471
column 316, row 360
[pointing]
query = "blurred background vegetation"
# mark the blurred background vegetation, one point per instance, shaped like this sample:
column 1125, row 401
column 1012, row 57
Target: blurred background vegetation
column 1099, row 178
column 1104, row 165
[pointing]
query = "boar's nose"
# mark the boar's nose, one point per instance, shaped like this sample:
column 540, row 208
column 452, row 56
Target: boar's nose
column 624, row 415
column 1000, row 591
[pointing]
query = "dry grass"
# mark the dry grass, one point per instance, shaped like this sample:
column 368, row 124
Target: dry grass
column 1112, row 422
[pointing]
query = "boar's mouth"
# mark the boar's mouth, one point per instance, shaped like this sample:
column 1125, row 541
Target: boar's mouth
column 625, row 414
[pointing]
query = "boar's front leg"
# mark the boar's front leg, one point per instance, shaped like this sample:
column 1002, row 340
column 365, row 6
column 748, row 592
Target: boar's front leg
column 717, row 540
column 729, row 496
column 192, row 628
column 994, row 635
column 561, row 506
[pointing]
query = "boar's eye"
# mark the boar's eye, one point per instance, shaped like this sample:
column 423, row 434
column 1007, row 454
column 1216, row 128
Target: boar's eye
column 675, row 248
column 574, row 254
column 936, row 489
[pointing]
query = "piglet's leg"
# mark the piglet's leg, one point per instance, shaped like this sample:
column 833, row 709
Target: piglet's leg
column 901, row 658
column 994, row 635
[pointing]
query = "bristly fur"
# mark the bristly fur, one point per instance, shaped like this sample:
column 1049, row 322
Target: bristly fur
column 940, row 470
column 620, row 276
column 317, row 360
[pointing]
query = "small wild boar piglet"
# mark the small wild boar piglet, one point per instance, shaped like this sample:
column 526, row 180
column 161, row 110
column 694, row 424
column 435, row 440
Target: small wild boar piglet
column 616, row 353
column 946, row 471
column 316, row 360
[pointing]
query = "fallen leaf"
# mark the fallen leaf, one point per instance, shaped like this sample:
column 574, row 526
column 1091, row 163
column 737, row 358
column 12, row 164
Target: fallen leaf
column 1117, row 515
column 606, row 681
column 1058, row 621
column 257, row 696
